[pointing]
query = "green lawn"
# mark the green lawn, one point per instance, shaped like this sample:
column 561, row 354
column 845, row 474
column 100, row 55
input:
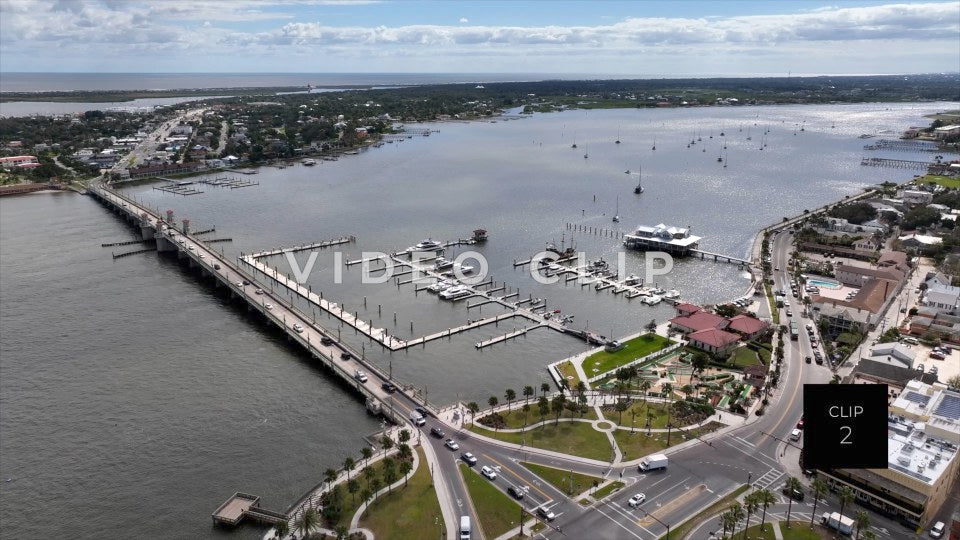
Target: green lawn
column 569, row 374
column 945, row 181
column 802, row 531
column 743, row 357
column 515, row 418
column 575, row 438
column 602, row 362
column 636, row 444
column 659, row 420
column 561, row 479
column 719, row 506
column 351, row 503
column 608, row 489
column 498, row 513
column 754, row 533
column 408, row 512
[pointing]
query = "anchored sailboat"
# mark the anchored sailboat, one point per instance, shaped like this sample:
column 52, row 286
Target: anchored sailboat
column 616, row 215
column 639, row 189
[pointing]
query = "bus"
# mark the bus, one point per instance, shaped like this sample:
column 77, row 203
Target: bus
column 794, row 331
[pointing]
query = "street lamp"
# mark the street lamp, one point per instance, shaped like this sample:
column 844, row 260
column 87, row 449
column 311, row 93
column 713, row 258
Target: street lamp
column 649, row 515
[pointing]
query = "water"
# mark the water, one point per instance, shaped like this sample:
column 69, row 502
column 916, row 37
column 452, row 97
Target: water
column 134, row 395
column 48, row 108
column 824, row 284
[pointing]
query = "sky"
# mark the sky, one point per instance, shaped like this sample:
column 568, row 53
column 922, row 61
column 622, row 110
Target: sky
column 612, row 38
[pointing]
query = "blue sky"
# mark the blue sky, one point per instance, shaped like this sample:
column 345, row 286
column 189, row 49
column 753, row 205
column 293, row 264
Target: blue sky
column 616, row 38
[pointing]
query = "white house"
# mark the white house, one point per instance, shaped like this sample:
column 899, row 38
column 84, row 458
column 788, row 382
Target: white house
column 940, row 294
column 893, row 353
column 912, row 196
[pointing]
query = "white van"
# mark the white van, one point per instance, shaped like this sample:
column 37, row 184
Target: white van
column 464, row 527
column 910, row 340
column 795, row 435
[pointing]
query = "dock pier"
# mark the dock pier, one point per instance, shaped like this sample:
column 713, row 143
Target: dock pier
column 507, row 336
column 304, row 247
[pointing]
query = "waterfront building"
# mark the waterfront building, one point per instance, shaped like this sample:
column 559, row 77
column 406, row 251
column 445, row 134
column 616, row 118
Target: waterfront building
column 673, row 240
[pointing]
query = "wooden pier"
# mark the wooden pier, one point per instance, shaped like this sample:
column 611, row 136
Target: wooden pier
column 304, row 247
column 508, row 335
column 903, row 146
column 719, row 257
column 894, row 163
column 243, row 505
column 135, row 252
column 462, row 328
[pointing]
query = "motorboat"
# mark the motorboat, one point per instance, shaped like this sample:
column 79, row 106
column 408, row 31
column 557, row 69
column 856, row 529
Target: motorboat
column 442, row 264
column 652, row 300
column 671, row 294
column 456, row 292
column 465, row 268
column 309, row 162
column 427, row 245
column 632, row 279
column 440, row 286
column 658, row 290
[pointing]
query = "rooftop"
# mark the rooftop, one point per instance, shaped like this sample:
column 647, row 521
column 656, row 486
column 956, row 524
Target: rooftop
column 714, row 337
column 700, row 320
column 913, row 452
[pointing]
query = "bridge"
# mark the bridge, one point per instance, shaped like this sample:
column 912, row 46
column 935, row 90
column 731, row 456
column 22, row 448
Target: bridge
column 299, row 327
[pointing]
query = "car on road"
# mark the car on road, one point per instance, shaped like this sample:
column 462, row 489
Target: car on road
column 268, row 305
column 800, row 424
column 245, row 282
column 298, row 327
column 190, row 248
column 239, row 284
column 933, row 370
column 789, row 313
column 937, row 530
column 421, row 410
column 258, row 291
column 545, row 513
column 326, row 341
column 808, row 359
column 921, row 368
column 488, row 472
column 202, row 256
column 794, row 494
column 468, row 458
column 637, row 500
column 436, row 432
column 360, row 376
column 388, row 387
column 345, row 355
column 795, row 435
column 515, row 492
column 936, row 356
column 451, row 444
column 216, row 267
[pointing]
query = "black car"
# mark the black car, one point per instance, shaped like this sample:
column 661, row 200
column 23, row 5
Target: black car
column 389, row 387
column 345, row 355
column 794, row 494
column 245, row 282
column 515, row 493
column 807, row 360
column 436, row 432
column 421, row 410
column 326, row 341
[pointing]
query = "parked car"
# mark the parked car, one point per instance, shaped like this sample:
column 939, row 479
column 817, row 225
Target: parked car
column 468, row 458
column 488, row 472
column 515, row 492
column 451, row 444
column 937, row 530
column 637, row 500
column 936, row 356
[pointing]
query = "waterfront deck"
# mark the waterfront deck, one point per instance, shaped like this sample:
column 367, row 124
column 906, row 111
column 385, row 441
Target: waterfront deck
column 233, row 509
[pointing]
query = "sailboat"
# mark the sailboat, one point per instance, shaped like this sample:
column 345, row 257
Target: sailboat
column 616, row 215
column 654, row 144
column 574, row 145
column 639, row 189
column 618, row 135
column 586, row 154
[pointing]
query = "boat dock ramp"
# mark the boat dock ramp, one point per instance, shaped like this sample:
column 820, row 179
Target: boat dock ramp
column 304, row 247
column 245, row 506
column 228, row 182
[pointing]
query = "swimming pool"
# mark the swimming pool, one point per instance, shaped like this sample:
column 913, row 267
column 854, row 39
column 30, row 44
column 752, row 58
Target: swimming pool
column 823, row 284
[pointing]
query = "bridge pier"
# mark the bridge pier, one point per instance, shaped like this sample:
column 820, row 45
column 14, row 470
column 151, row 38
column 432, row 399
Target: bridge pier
column 164, row 243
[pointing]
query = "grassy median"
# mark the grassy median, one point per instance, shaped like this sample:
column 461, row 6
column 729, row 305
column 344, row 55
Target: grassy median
column 715, row 508
column 497, row 512
column 574, row 438
column 568, row 482
column 409, row 512
column 637, row 444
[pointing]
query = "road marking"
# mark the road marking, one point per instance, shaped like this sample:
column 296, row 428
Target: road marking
column 618, row 524
column 746, row 442
column 538, row 490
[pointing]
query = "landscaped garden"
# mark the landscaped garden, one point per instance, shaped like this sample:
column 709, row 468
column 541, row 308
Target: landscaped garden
column 638, row 347
column 411, row 511
column 636, row 444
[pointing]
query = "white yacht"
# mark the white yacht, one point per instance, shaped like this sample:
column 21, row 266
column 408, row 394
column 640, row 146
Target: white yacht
column 465, row 268
column 455, row 293
column 632, row 279
column 427, row 245
column 658, row 290
column 442, row 264
column 671, row 294
column 440, row 286
column 652, row 300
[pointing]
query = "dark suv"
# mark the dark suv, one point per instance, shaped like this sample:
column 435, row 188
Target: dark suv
column 515, row 493
column 436, row 432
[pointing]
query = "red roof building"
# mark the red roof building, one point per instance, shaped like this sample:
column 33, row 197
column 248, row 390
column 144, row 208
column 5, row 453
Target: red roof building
column 747, row 326
column 687, row 309
column 755, row 375
column 700, row 320
column 714, row 340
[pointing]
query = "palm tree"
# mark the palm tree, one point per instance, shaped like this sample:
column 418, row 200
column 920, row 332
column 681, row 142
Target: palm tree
column 845, row 494
column 353, row 486
column 375, row 485
column 650, row 417
column 736, row 513
column 404, row 450
column 527, row 392
column 792, row 485
column 283, row 529
column 474, row 409
column 526, row 411
column 307, row 521
column 544, row 407
column 544, row 388
column 819, row 489
column 348, row 466
column 493, row 402
column 751, row 504
column 341, row 531
column 329, row 476
column 557, row 406
column 509, row 395
column 405, row 468
column 645, row 386
column 367, row 453
column 728, row 522
column 668, row 390
column 687, row 390
column 404, row 436
column 366, row 494
column 389, row 474
column 369, row 473
column 863, row 522
column 386, row 443
column 765, row 498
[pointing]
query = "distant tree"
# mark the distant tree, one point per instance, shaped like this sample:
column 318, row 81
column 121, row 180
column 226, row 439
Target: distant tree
column 819, row 490
column 474, row 409
column 528, row 393
column 792, row 485
column 493, row 401
column 845, row 495
column 863, row 522
column 367, row 453
column 348, row 464
column 405, row 468
column 557, row 406
column 544, row 388
column 509, row 395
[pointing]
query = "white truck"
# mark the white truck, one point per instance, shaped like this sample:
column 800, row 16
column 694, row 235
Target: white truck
column 834, row 520
column 653, row 462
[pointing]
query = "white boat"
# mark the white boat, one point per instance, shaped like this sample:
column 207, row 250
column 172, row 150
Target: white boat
column 426, row 245
column 632, row 279
column 658, row 290
column 442, row 264
column 440, row 286
column 465, row 268
column 652, row 300
column 616, row 214
column 455, row 293
column 671, row 294
column 309, row 162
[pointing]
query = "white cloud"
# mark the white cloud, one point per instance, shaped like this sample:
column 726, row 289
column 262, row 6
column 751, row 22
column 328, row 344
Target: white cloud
column 464, row 20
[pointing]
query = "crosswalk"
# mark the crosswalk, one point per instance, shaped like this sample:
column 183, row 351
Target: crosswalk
column 768, row 479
